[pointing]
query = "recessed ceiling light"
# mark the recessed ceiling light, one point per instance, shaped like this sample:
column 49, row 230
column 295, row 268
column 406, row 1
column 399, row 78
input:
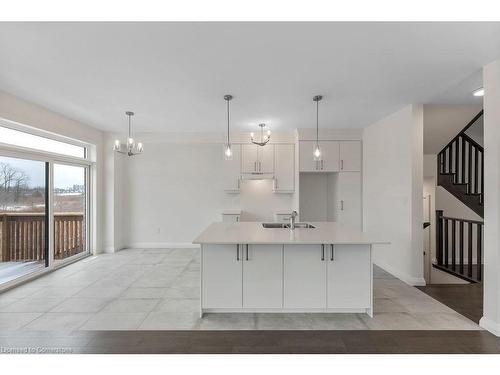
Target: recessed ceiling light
column 478, row 92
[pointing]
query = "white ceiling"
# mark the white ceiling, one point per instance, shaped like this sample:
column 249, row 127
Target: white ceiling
column 174, row 75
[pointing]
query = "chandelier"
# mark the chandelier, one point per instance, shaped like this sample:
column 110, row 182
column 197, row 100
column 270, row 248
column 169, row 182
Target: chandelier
column 131, row 148
column 264, row 138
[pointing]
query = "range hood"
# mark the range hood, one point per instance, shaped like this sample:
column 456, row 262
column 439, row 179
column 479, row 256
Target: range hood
column 257, row 176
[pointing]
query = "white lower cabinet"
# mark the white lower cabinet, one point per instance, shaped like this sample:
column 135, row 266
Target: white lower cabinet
column 349, row 277
column 221, row 276
column 287, row 277
column 304, row 277
column 262, row 276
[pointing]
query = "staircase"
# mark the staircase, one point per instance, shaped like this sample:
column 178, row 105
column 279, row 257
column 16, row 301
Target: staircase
column 459, row 242
column 460, row 167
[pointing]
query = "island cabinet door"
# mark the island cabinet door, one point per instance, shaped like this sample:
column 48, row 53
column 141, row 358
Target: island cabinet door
column 263, row 276
column 221, row 276
column 349, row 276
column 304, row 277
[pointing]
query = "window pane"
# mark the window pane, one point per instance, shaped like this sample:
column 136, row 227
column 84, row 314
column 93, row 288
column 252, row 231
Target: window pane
column 69, row 211
column 22, row 217
column 22, row 139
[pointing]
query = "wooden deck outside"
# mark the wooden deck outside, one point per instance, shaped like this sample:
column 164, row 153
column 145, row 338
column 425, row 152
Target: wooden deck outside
column 22, row 236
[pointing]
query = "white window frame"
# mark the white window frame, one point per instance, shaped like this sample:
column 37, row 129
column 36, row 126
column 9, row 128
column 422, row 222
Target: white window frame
column 88, row 162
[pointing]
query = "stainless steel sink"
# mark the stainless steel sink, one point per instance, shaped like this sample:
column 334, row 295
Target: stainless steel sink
column 287, row 225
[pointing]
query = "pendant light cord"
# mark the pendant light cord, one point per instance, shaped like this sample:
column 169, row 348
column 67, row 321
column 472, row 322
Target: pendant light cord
column 317, row 122
column 227, row 121
column 128, row 127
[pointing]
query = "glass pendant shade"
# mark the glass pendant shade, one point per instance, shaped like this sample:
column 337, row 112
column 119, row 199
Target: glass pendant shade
column 131, row 148
column 228, row 152
column 317, row 153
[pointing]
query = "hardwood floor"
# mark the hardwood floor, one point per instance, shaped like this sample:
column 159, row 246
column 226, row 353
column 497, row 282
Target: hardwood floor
column 257, row 342
column 466, row 299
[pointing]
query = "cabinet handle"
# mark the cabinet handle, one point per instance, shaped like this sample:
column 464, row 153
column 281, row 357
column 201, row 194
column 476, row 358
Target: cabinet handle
column 341, row 165
column 237, row 252
column 247, row 252
column 317, row 165
column 255, row 166
column 342, row 205
column 322, row 252
column 237, row 218
column 331, row 252
column 260, row 166
column 321, row 164
column 238, row 183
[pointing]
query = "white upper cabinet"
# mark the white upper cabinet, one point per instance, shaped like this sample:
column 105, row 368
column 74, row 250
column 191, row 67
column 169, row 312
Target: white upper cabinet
column 284, row 168
column 266, row 158
column 257, row 159
column 249, row 159
column 232, row 171
column 350, row 156
column 330, row 156
column 306, row 160
column 349, row 195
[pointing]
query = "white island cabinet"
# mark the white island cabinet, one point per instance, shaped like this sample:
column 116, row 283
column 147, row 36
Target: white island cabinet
column 248, row 268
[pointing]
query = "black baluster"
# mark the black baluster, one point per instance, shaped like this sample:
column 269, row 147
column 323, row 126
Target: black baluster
column 456, row 158
column 446, row 242
column 469, row 173
column 461, row 245
column 476, row 168
column 479, row 252
column 453, row 238
column 462, row 176
column 469, row 255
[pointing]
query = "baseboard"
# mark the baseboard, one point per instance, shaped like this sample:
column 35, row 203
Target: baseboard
column 410, row 280
column 490, row 326
column 162, row 245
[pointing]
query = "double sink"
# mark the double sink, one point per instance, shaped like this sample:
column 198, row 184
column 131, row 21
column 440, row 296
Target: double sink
column 287, row 225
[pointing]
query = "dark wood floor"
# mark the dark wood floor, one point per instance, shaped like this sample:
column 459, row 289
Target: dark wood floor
column 277, row 342
column 466, row 299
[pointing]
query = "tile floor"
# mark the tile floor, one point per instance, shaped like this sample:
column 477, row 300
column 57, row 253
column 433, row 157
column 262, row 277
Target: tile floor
column 158, row 289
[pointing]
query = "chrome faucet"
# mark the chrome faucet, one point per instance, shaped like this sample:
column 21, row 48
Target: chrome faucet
column 292, row 219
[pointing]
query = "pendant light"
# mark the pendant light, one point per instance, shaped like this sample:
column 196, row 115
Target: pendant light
column 264, row 138
column 317, row 150
column 131, row 148
column 228, row 153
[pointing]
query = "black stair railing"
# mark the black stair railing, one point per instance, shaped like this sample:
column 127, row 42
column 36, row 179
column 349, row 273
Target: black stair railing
column 460, row 167
column 459, row 247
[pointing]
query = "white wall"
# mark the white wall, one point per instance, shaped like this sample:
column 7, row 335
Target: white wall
column 392, row 191
column 174, row 190
column 443, row 122
column 24, row 112
column 491, row 308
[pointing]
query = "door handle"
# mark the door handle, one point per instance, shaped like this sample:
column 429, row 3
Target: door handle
column 237, row 252
column 331, row 252
column 247, row 251
column 322, row 252
column 342, row 205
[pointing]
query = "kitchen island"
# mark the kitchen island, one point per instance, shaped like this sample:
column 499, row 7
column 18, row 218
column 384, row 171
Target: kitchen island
column 246, row 267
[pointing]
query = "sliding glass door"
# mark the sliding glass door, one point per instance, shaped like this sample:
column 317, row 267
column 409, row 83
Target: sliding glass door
column 23, row 217
column 70, row 211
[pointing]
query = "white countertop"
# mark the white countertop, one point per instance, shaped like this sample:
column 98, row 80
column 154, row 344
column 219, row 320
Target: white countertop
column 255, row 233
